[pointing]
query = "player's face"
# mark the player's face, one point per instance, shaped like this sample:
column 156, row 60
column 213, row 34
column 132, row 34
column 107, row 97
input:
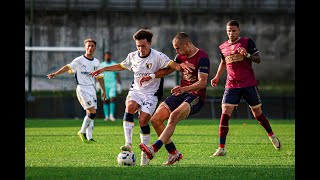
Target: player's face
column 143, row 46
column 107, row 57
column 90, row 47
column 233, row 33
column 180, row 48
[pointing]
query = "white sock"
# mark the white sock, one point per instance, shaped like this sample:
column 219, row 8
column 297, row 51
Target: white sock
column 89, row 130
column 128, row 129
column 145, row 138
column 86, row 122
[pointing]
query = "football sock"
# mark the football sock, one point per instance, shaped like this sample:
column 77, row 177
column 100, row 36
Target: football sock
column 223, row 129
column 112, row 108
column 171, row 148
column 157, row 145
column 106, row 110
column 128, row 126
column 145, row 134
column 89, row 130
column 264, row 123
column 86, row 122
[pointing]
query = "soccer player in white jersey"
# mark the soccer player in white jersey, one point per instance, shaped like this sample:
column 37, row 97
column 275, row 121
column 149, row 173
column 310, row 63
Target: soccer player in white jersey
column 86, row 92
column 142, row 97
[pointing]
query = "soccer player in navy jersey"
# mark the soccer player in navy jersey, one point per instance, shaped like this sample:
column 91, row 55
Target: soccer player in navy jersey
column 237, row 55
column 186, row 99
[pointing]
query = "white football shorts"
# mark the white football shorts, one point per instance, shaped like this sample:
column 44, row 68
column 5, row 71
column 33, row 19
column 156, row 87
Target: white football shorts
column 148, row 103
column 87, row 96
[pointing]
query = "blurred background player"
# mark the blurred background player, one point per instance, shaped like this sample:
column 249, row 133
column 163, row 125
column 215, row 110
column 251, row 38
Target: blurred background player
column 141, row 97
column 112, row 84
column 186, row 99
column 237, row 55
column 86, row 91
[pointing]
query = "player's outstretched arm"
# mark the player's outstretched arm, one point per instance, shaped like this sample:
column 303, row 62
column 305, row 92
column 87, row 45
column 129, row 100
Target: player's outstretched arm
column 182, row 66
column 116, row 67
column 60, row 71
column 200, row 84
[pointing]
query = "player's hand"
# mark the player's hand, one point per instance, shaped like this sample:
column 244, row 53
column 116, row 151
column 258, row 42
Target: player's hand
column 50, row 76
column 103, row 95
column 119, row 88
column 96, row 72
column 214, row 81
column 242, row 51
column 187, row 66
column 177, row 90
column 143, row 79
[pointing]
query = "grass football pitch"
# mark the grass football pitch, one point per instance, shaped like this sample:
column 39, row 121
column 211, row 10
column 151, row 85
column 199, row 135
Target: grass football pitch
column 54, row 151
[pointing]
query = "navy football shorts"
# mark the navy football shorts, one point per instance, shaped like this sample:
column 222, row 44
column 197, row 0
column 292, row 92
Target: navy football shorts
column 195, row 102
column 233, row 95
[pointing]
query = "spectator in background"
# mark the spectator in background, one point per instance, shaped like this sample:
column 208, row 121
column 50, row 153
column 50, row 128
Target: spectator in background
column 86, row 91
column 112, row 84
column 237, row 55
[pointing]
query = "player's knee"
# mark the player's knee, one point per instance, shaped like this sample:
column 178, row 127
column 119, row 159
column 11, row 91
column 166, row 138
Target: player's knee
column 145, row 129
column 155, row 121
column 92, row 115
column 128, row 117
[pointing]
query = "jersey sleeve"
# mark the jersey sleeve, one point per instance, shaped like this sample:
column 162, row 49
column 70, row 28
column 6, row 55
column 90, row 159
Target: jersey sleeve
column 73, row 66
column 252, row 49
column 164, row 61
column 126, row 64
column 204, row 65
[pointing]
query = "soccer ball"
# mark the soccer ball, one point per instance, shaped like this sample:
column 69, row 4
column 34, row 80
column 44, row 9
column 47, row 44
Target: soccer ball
column 126, row 158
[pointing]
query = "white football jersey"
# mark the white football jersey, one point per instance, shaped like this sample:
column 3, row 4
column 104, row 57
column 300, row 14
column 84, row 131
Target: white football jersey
column 82, row 66
column 143, row 67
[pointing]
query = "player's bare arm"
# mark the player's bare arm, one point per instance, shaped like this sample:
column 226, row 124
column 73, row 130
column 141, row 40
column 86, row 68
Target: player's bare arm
column 60, row 71
column 221, row 68
column 182, row 66
column 116, row 67
column 200, row 84
column 172, row 67
column 253, row 57
column 103, row 90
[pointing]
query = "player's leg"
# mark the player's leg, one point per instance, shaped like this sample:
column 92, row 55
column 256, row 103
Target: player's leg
column 132, row 105
column 162, row 113
column 112, row 95
column 230, row 100
column 89, row 131
column 148, row 107
column 144, row 135
column 252, row 97
column 106, row 103
column 89, row 102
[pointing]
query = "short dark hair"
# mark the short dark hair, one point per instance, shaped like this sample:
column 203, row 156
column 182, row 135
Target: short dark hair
column 89, row 40
column 143, row 34
column 108, row 52
column 182, row 37
column 233, row 23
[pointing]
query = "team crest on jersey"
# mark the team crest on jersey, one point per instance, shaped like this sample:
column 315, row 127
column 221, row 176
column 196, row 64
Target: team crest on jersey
column 148, row 65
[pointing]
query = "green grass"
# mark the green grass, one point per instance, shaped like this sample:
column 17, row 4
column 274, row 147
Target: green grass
column 54, row 151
